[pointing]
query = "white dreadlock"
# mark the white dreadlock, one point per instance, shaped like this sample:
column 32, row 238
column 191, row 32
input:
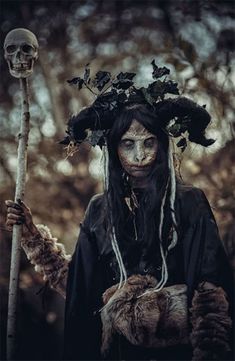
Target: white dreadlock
column 172, row 196
column 172, row 181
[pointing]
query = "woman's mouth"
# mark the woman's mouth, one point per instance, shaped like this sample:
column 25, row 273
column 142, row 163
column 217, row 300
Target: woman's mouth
column 140, row 168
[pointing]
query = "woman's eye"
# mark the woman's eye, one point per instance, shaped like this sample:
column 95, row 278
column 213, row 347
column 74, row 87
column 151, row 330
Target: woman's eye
column 149, row 143
column 127, row 143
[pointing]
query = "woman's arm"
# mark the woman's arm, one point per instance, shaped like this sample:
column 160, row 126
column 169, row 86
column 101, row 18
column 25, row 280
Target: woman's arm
column 211, row 323
column 44, row 252
column 49, row 258
column 208, row 277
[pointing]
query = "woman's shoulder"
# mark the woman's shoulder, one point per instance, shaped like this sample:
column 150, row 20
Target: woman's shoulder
column 96, row 201
column 94, row 209
column 190, row 192
column 192, row 201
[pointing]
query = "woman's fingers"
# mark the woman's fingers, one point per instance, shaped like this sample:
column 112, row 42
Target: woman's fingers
column 11, row 222
column 23, row 205
column 17, row 217
column 19, row 213
column 10, row 203
column 14, row 219
column 11, row 210
column 13, row 207
column 15, row 214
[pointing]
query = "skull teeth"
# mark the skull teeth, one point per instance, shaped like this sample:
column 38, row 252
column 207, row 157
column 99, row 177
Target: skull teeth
column 20, row 67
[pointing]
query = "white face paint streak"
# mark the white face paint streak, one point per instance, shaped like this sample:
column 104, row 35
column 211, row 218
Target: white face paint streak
column 137, row 150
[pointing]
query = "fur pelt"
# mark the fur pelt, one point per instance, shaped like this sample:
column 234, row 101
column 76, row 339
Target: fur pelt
column 157, row 319
column 211, row 324
column 49, row 258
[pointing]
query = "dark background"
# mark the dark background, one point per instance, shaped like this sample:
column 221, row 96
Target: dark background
column 195, row 39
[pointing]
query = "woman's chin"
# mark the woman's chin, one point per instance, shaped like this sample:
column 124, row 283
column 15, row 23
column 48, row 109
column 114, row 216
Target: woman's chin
column 139, row 173
column 139, row 179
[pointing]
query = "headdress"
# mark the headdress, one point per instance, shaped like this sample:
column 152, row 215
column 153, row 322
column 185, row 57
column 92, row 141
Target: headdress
column 175, row 116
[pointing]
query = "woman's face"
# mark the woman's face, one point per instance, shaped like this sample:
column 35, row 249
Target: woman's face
column 137, row 150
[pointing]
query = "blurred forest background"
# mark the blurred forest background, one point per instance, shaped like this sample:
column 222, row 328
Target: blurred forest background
column 195, row 39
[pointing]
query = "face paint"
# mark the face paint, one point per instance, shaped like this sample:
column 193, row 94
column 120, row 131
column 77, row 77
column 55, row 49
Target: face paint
column 137, row 150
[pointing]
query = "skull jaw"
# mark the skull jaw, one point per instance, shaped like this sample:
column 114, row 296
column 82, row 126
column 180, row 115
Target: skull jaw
column 21, row 70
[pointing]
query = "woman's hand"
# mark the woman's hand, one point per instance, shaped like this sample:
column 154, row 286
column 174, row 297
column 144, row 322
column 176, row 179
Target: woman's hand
column 19, row 213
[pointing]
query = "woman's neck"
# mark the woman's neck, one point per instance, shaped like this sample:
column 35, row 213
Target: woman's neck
column 139, row 182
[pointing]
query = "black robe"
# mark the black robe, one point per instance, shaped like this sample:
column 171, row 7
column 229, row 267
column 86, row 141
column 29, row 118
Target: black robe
column 198, row 256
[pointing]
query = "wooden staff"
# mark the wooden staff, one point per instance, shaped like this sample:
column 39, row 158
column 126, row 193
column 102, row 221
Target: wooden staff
column 20, row 51
column 17, row 229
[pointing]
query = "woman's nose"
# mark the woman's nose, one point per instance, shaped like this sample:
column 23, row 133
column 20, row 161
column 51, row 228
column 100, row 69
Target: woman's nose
column 140, row 153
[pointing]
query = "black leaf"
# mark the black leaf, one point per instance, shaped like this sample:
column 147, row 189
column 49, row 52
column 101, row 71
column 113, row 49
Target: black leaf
column 182, row 143
column 73, row 81
column 171, row 87
column 76, row 81
column 136, row 96
column 105, row 110
column 122, row 84
column 147, row 96
column 157, row 89
column 101, row 79
column 123, row 81
column 175, row 129
column 125, row 76
column 86, row 75
column 160, row 88
column 95, row 137
column 159, row 72
column 106, row 98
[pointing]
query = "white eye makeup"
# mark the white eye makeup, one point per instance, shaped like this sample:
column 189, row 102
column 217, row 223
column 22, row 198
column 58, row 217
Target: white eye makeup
column 150, row 142
column 127, row 143
column 130, row 143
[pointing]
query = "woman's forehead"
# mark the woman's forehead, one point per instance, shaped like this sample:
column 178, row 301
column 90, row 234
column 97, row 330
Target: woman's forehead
column 137, row 130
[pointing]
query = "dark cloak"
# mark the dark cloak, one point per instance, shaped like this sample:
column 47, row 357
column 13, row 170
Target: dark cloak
column 198, row 256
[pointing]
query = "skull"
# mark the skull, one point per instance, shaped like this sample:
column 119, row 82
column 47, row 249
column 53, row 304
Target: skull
column 20, row 52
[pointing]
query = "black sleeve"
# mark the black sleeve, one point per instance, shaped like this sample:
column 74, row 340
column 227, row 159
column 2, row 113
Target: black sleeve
column 205, row 258
column 83, row 296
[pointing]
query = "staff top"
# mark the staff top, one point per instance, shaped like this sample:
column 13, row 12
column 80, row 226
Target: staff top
column 20, row 52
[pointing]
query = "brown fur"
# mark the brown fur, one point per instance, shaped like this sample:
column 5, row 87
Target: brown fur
column 211, row 324
column 153, row 320
column 49, row 258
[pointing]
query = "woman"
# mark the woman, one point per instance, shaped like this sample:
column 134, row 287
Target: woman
column 149, row 249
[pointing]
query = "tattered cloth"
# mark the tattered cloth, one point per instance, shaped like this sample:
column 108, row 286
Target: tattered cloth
column 156, row 319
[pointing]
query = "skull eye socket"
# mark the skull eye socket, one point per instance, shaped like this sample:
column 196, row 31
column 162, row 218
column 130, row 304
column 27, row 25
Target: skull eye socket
column 10, row 49
column 28, row 49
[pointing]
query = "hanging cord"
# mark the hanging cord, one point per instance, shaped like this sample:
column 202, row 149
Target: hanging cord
column 122, row 269
column 172, row 197
column 123, row 274
column 105, row 159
